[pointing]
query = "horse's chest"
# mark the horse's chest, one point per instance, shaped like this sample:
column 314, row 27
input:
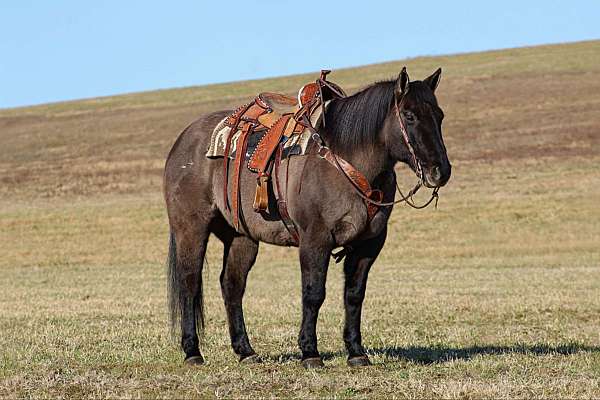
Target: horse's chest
column 355, row 227
column 377, row 224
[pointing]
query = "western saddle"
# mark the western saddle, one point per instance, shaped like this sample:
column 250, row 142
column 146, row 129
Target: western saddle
column 281, row 117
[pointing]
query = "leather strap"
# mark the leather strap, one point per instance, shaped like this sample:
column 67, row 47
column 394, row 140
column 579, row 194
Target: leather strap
column 267, row 145
column 240, row 154
column 248, row 111
column 281, row 201
column 253, row 112
column 407, row 141
column 356, row 178
column 233, row 121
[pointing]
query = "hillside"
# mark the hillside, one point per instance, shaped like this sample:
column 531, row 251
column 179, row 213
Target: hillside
column 494, row 294
column 500, row 105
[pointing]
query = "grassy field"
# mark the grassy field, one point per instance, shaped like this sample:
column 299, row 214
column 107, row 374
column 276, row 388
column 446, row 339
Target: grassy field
column 494, row 294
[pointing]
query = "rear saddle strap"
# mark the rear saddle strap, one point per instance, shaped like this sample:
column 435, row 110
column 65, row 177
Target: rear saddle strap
column 281, row 197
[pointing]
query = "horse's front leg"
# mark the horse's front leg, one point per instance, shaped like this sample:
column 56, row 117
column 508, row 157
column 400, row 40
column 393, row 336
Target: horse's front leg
column 356, row 271
column 315, row 250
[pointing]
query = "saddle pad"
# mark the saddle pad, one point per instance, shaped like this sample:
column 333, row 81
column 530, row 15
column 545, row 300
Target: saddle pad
column 296, row 145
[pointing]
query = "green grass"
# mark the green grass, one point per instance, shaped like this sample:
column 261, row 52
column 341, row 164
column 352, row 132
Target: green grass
column 494, row 294
column 486, row 334
column 502, row 304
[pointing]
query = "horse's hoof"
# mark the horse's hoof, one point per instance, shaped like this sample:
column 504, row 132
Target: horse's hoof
column 359, row 361
column 313, row 362
column 194, row 361
column 252, row 359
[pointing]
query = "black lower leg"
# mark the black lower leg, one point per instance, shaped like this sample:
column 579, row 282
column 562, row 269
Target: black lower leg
column 356, row 271
column 189, row 276
column 314, row 261
column 189, row 337
column 239, row 257
column 191, row 313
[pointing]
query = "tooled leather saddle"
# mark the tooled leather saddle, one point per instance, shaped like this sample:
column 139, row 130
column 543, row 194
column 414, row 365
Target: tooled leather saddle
column 278, row 120
column 281, row 118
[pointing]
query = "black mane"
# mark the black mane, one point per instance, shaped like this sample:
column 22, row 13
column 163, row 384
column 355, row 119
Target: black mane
column 355, row 120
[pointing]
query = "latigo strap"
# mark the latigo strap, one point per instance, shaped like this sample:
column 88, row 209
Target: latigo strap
column 240, row 154
column 281, row 197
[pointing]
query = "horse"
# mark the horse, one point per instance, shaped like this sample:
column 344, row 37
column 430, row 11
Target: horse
column 388, row 122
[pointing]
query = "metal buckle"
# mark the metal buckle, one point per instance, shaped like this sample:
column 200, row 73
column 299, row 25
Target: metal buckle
column 320, row 149
column 319, row 141
column 317, row 138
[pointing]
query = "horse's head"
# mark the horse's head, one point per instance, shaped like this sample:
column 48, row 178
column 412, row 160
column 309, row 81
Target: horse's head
column 416, row 134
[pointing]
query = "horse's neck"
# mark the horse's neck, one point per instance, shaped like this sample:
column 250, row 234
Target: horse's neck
column 371, row 159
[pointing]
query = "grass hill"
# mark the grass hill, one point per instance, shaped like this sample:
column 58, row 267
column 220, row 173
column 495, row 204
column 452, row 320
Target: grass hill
column 493, row 294
column 493, row 100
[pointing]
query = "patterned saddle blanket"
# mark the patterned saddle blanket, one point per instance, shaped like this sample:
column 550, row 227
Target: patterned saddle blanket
column 297, row 144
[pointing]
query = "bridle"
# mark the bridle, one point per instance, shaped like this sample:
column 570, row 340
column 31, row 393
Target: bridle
column 408, row 199
column 416, row 162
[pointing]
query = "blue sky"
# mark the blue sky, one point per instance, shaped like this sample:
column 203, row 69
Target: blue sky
column 64, row 49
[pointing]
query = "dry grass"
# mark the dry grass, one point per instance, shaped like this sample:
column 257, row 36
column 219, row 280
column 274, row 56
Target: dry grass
column 495, row 294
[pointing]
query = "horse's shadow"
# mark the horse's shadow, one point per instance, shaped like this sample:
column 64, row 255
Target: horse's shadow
column 439, row 354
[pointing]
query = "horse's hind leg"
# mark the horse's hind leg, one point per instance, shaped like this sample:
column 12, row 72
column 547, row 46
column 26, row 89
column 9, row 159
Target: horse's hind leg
column 238, row 258
column 186, row 257
column 356, row 271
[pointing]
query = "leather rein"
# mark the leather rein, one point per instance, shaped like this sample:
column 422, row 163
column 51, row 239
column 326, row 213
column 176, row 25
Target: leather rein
column 325, row 152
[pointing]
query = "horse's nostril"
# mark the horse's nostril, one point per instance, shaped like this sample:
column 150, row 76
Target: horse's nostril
column 436, row 173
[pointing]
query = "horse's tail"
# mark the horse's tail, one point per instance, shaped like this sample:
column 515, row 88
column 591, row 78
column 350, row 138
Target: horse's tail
column 175, row 272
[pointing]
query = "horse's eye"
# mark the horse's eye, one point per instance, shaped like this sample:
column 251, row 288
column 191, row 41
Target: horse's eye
column 410, row 117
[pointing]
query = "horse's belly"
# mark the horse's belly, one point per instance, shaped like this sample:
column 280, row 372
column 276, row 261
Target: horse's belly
column 261, row 226
column 265, row 228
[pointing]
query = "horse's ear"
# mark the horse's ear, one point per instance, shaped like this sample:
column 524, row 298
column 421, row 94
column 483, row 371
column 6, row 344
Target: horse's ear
column 402, row 83
column 434, row 80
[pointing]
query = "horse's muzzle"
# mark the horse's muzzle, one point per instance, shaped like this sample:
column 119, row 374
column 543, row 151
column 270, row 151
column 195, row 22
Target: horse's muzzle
column 437, row 176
